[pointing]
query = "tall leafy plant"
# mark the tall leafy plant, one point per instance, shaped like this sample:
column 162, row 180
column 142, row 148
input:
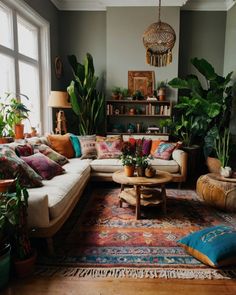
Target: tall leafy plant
column 200, row 109
column 86, row 101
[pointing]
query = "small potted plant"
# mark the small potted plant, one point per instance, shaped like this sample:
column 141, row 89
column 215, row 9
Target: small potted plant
column 138, row 95
column 116, row 92
column 222, row 144
column 15, row 114
column 161, row 90
column 128, row 159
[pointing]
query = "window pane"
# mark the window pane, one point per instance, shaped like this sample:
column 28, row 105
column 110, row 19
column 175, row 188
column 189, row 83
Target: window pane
column 6, row 36
column 7, row 75
column 29, row 85
column 27, row 38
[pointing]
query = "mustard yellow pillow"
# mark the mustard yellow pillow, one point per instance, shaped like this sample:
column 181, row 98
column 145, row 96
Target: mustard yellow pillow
column 61, row 144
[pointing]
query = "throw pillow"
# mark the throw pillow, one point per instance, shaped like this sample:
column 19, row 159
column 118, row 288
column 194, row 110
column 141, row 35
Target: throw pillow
column 88, row 146
column 109, row 148
column 61, row 144
column 214, row 246
column 145, row 144
column 164, row 150
column 11, row 166
column 44, row 166
column 154, row 146
column 24, row 150
column 76, row 145
column 51, row 154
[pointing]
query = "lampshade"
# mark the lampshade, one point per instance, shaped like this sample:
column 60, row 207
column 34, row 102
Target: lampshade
column 159, row 39
column 59, row 99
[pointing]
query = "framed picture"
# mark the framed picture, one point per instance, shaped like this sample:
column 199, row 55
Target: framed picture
column 141, row 80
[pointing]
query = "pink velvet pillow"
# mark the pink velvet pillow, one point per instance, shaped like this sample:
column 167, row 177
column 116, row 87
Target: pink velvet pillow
column 24, row 150
column 44, row 166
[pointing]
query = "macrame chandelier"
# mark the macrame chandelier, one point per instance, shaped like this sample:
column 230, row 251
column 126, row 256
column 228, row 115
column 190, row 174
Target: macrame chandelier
column 159, row 39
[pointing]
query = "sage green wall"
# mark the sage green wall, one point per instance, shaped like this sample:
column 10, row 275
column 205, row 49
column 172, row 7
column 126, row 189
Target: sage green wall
column 49, row 12
column 202, row 35
column 125, row 50
column 82, row 32
column 230, row 57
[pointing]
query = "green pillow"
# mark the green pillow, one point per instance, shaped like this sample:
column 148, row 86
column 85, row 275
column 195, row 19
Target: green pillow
column 214, row 246
column 76, row 145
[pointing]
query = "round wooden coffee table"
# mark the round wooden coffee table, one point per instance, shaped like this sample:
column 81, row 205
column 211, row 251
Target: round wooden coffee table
column 143, row 192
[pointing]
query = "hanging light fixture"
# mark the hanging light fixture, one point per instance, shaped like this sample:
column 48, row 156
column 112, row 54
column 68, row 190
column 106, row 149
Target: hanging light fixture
column 159, row 39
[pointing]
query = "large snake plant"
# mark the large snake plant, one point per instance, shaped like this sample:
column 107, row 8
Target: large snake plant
column 86, row 101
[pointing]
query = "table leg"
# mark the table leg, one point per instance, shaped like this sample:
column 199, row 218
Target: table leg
column 163, row 196
column 120, row 200
column 137, row 191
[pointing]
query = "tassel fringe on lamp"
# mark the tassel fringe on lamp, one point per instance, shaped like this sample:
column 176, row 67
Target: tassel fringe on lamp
column 159, row 39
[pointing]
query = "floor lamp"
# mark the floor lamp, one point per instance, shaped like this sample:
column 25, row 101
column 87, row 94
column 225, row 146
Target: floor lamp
column 60, row 100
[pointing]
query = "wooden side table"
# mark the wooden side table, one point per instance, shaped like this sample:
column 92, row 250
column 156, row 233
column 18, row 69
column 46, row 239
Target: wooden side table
column 133, row 196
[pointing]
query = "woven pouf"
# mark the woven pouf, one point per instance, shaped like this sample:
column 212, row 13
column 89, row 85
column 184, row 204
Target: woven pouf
column 216, row 191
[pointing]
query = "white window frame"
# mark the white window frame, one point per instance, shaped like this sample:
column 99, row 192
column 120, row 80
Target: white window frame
column 25, row 11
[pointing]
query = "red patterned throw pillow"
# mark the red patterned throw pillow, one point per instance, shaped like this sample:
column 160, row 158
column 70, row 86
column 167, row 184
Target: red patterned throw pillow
column 109, row 148
column 44, row 166
column 24, row 150
column 164, row 150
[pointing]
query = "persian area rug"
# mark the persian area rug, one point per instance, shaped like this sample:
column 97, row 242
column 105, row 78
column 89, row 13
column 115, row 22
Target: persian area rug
column 107, row 241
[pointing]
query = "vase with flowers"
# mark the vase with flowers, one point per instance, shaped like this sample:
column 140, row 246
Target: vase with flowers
column 141, row 159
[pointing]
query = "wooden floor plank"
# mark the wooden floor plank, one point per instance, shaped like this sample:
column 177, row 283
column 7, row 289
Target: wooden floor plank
column 80, row 286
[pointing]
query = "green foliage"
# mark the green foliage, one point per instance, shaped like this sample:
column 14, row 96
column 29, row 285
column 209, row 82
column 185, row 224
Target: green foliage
column 161, row 84
column 86, row 101
column 199, row 110
column 12, row 112
column 138, row 95
column 222, row 147
column 116, row 90
column 13, row 220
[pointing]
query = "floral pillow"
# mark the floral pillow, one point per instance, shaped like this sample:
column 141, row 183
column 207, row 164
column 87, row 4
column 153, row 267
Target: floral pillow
column 24, row 150
column 11, row 166
column 51, row 154
column 44, row 166
column 109, row 149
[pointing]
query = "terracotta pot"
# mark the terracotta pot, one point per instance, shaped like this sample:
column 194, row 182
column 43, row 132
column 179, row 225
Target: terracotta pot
column 25, row 267
column 6, row 139
column 213, row 165
column 129, row 171
column 5, row 184
column 19, row 131
column 162, row 94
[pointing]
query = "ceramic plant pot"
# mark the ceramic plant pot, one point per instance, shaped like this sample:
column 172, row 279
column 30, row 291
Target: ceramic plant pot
column 140, row 171
column 4, row 265
column 24, row 268
column 225, row 171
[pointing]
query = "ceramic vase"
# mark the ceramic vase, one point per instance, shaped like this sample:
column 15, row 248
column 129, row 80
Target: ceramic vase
column 225, row 171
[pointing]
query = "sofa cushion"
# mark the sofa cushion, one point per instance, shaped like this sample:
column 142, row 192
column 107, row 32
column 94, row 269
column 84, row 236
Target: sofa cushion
column 44, row 166
column 170, row 166
column 63, row 189
column 76, row 165
column 88, row 146
column 108, row 148
column 51, row 154
column 106, row 165
column 61, row 144
column 76, row 145
column 11, row 166
column 24, row 150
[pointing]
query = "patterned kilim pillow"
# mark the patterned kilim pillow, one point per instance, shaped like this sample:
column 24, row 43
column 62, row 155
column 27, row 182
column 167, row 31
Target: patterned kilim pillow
column 164, row 150
column 214, row 246
column 24, row 150
column 11, row 166
column 109, row 148
column 51, row 154
column 88, row 146
column 44, row 166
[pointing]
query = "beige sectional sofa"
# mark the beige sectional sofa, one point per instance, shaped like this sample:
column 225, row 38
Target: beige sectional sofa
column 51, row 205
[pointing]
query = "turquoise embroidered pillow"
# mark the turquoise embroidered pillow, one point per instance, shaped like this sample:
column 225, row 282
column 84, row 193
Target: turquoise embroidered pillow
column 76, row 145
column 214, row 246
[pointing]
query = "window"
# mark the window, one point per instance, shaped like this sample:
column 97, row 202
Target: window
column 24, row 54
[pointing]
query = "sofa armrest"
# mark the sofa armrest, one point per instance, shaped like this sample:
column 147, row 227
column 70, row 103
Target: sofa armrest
column 181, row 157
column 38, row 212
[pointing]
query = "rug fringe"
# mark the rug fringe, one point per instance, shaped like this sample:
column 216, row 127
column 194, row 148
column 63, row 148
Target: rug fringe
column 136, row 273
